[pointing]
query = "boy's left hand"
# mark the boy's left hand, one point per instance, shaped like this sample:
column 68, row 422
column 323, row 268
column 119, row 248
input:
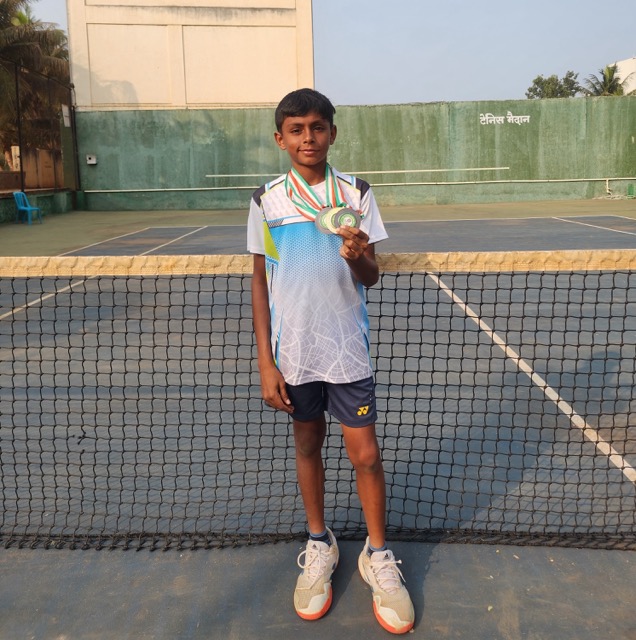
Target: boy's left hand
column 354, row 242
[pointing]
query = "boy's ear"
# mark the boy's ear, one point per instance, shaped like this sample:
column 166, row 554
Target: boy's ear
column 334, row 132
column 279, row 140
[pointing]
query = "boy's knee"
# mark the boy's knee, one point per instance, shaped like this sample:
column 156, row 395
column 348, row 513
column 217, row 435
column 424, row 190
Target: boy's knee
column 308, row 447
column 366, row 460
column 308, row 439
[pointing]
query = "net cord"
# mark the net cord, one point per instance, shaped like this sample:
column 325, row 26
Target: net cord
column 457, row 262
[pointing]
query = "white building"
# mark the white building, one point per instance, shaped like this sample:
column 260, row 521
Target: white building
column 175, row 54
column 626, row 70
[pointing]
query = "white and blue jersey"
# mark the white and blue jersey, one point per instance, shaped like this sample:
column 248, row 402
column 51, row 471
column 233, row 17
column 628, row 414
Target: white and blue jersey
column 319, row 322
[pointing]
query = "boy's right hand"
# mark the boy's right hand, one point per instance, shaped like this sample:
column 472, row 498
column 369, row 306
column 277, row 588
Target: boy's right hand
column 274, row 390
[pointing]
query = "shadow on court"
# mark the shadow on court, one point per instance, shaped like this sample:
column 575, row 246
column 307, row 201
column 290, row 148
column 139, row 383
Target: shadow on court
column 459, row 591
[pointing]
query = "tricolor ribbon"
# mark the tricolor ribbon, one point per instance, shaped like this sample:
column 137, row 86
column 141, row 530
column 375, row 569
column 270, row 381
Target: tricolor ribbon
column 305, row 198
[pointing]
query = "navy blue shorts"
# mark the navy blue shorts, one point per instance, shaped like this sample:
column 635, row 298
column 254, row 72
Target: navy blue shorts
column 351, row 403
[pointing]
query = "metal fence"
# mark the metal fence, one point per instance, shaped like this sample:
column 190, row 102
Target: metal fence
column 37, row 131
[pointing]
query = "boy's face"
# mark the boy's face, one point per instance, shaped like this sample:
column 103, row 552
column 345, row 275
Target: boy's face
column 307, row 140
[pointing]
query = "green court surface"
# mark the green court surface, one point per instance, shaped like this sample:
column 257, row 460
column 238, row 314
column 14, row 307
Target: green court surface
column 471, row 591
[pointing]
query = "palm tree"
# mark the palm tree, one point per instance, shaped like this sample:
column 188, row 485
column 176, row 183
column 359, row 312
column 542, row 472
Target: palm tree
column 35, row 51
column 607, row 83
column 33, row 44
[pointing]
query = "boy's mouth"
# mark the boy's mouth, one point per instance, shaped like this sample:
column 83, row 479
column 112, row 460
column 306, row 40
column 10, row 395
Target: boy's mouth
column 310, row 153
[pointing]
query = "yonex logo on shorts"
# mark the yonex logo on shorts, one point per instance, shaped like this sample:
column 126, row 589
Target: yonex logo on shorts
column 362, row 411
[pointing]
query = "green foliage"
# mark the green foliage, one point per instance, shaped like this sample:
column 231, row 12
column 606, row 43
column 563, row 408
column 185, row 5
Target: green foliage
column 39, row 51
column 606, row 83
column 553, row 87
column 33, row 44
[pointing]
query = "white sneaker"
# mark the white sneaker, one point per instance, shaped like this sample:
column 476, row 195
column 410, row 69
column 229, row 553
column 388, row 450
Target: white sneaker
column 391, row 601
column 312, row 596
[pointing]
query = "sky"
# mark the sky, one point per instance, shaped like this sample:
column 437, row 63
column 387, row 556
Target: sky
column 401, row 51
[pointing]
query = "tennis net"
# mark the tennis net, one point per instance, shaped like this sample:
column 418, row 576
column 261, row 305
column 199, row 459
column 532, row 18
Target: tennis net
column 131, row 416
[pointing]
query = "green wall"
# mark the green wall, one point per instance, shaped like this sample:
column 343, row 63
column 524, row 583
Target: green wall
column 565, row 146
column 49, row 203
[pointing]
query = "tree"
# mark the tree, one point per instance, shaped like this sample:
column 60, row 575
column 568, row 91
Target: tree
column 607, row 83
column 33, row 44
column 552, row 87
column 39, row 50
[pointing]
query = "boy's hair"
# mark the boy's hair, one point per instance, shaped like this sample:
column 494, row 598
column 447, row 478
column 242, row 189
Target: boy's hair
column 300, row 103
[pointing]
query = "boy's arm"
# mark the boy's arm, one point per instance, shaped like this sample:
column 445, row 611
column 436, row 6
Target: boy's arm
column 272, row 383
column 359, row 254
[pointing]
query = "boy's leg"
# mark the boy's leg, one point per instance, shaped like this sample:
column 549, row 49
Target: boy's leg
column 309, row 437
column 364, row 453
column 391, row 601
column 313, row 593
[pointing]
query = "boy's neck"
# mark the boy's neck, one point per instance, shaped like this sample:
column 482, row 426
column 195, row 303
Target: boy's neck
column 312, row 175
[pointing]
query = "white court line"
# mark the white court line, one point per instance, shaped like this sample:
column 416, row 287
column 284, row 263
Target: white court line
column 41, row 299
column 165, row 244
column 590, row 433
column 79, row 282
column 465, row 219
column 500, row 219
column 595, row 226
column 132, row 233
column 95, row 244
column 193, row 226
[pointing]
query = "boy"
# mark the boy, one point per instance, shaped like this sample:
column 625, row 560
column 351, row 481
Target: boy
column 311, row 330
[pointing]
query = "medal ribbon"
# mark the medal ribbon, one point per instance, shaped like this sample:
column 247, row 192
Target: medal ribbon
column 305, row 198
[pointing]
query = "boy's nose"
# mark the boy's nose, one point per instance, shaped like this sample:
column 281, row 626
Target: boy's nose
column 309, row 135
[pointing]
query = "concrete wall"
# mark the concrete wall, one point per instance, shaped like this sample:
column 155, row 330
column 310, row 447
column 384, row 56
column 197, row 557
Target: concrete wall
column 429, row 153
column 49, row 203
column 148, row 54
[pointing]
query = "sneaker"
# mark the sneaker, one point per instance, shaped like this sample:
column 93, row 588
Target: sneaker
column 391, row 601
column 312, row 597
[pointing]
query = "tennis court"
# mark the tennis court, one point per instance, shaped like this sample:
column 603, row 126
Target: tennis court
column 546, row 234
column 494, row 591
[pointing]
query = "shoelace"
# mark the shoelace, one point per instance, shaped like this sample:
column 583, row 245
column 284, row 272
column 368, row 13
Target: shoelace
column 315, row 560
column 387, row 574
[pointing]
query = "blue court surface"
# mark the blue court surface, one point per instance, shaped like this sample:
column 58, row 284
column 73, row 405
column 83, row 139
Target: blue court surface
column 527, row 234
column 471, row 591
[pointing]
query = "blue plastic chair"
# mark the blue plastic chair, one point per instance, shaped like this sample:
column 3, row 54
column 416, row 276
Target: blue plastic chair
column 24, row 209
